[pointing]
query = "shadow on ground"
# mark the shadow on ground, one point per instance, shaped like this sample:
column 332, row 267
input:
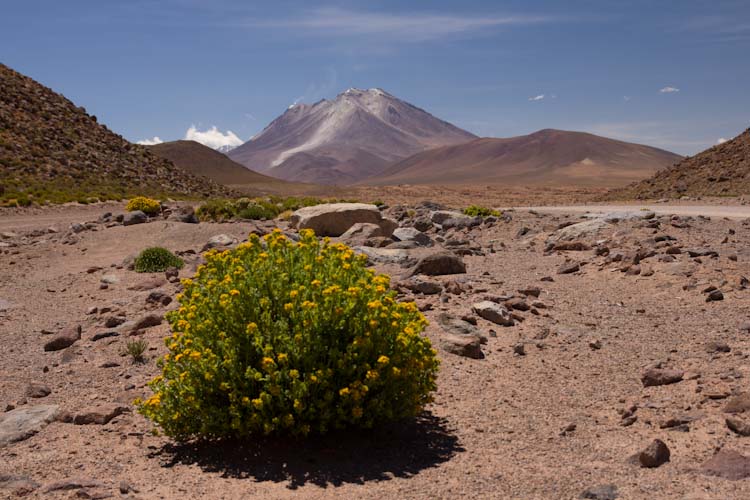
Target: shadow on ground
column 399, row 450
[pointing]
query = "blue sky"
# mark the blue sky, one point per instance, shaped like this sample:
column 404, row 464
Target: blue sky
column 156, row 68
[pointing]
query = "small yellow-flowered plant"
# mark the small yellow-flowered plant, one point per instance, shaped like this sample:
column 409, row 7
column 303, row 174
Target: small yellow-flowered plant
column 146, row 205
column 293, row 342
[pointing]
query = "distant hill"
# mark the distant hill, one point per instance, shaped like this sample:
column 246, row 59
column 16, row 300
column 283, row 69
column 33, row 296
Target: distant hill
column 51, row 149
column 198, row 159
column 722, row 170
column 346, row 139
column 547, row 157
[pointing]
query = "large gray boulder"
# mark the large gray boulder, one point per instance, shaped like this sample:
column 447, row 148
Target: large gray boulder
column 22, row 423
column 578, row 231
column 334, row 219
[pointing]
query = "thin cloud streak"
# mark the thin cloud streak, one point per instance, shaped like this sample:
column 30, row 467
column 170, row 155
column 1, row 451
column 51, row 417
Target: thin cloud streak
column 404, row 27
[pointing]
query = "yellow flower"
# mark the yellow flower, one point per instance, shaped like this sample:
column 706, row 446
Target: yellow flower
column 234, row 292
column 195, row 355
column 288, row 307
column 357, row 412
column 315, row 282
column 282, row 357
column 293, row 294
column 396, row 371
column 384, row 360
column 344, row 392
column 293, row 373
column 372, row 374
column 251, row 328
column 245, row 400
column 298, row 405
column 258, row 403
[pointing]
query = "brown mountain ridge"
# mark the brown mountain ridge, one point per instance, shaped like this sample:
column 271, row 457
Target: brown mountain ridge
column 546, row 157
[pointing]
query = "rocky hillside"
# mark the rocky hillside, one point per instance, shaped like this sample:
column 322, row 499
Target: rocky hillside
column 722, row 170
column 346, row 139
column 51, row 149
column 547, row 157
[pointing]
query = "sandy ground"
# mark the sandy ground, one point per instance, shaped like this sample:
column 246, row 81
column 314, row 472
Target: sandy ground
column 730, row 212
column 498, row 426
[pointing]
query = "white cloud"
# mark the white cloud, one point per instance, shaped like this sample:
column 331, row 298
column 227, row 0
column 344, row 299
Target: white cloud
column 213, row 137
column 539, row 97
column 721, row 140
column 669, row 90
column 150, row 142
column 626, row 98
column 404, row 27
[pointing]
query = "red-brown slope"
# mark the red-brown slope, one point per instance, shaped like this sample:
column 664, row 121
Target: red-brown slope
column 547, row 157
column 722, row 170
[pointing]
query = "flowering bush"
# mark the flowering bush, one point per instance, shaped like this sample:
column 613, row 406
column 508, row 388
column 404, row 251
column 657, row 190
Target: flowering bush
column 155, row 260
column 277, row 337
column 146, row 205
column 476, row 210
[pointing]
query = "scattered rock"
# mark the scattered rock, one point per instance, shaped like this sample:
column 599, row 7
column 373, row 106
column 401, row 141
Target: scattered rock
column 715, row 296
column 656, row 454
column 717, row 346
column 387, row 256
column 601, row 492
column 22, row 423
column 439, row 263
column 738, row 404
column 100, row 415
column 185, row 214
column 149, row 284
column 728, row 464
column 64, row 339
column 738, row 425
column 147, row 321
column 17, row 485
column 460, row 327
column 412, row 234
column 135, row 217
column 661, row 376
column 569, row 268
column 462, row 345
column 419, row 285
column 219, row 241
column 493, row 312
column 72, row 484
column 37, row 390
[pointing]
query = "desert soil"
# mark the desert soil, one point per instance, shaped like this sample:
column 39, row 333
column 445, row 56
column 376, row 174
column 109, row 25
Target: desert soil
column 555, row 407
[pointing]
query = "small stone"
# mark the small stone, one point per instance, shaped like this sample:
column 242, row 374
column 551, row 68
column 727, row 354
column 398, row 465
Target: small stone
column 440, row 263
column 601, row 492
column 219, row 241
column 462, row 345
column 64, row 339
column 147, row 321
column 738, row 425
column 100, row 415
column 717, row 346
column 595, row 345
column 738, row 404
column 519, row 349
column 114, row 321
column 104, row 335
column 728, row 464
column 37, row 390
column 493, row 312
column 134, row 217
column 569, row 268
column 715, row 296
column 661, row 376
column 656, row 454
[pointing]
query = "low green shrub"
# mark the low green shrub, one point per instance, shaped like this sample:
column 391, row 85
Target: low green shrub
column 476, row 210
column 156, row 259
column 254, row 208
column 148, row 206
column 135, row 349
column 278, row 337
